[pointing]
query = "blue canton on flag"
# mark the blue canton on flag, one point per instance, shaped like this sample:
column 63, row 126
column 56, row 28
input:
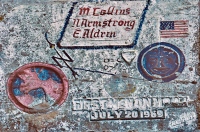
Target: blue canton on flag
column 166, row 25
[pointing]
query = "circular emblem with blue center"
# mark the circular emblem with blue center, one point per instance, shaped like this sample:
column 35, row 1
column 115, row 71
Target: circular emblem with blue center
column 37, row 87
column 161, row 62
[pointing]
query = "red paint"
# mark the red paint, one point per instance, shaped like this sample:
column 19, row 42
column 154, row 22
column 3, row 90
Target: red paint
column 58, row 91
column 97, row 11
column 31, row 82
column 97, row 26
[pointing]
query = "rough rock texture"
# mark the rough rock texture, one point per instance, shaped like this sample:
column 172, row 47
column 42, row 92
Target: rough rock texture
column 108, row 78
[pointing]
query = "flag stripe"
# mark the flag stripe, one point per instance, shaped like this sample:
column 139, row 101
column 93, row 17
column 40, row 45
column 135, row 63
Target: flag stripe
column 174, row 36
column 180, row 25
column 168, row 31
column 180, row 22
column 180, row 30
column 174, row 33
column 183, row 34
column 177, row 30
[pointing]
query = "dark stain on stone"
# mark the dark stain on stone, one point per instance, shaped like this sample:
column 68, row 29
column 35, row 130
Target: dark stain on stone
column 186, row 82
column 32, row 128
column 198, row 67
column 41, row 120
column 11, row 30
column 2, row 17
column 198, row 108
column 161, row 125
column 24, row 53
column 62, row 129
column 1, row 47
column 191, row 69
column 194, row 82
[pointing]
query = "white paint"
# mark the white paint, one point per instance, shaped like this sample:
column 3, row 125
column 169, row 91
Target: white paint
column 122, row 37
column 185, row 118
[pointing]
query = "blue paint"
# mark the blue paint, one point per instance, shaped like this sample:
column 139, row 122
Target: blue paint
column 17, row 92
column 43, row 74
column 141, row 23
column 135, row 40
column 17, row 82
column 66, row 22
column 56, row 78
column 160, row 59
column 37, row 70
column 37, row 93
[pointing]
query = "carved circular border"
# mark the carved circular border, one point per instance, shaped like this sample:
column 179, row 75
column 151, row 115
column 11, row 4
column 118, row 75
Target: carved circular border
column 164, row 79
column 57, row 103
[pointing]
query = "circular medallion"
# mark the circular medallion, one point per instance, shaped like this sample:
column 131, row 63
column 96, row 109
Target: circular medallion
column 161, row 62
column 37, row 87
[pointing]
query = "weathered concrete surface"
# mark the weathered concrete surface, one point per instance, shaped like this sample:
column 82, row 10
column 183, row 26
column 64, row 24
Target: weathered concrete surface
column 23, row 25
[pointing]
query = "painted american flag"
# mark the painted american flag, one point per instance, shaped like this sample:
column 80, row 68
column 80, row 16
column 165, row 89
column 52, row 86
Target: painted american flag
column 174, row 29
